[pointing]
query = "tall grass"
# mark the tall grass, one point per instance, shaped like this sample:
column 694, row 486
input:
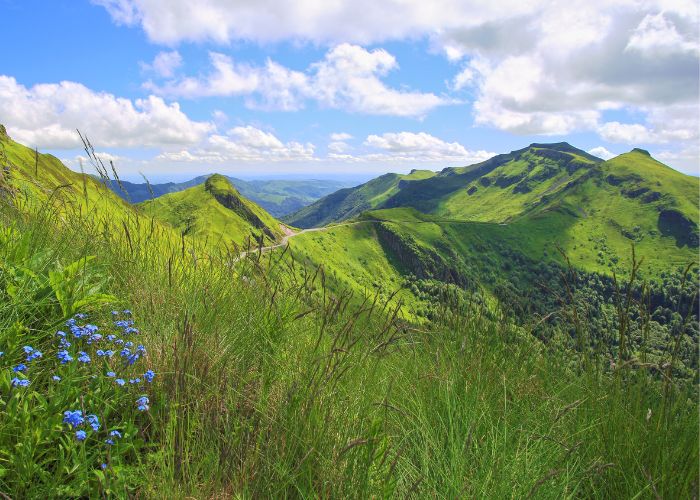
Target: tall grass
column 269, row 384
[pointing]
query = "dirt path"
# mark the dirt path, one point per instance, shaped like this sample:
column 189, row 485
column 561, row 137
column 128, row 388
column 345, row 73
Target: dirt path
column 290, row 233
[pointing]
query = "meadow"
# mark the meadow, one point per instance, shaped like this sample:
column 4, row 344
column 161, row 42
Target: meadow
column 261, row 379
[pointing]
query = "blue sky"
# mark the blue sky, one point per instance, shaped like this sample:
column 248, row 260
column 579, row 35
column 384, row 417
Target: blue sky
column 175, row 88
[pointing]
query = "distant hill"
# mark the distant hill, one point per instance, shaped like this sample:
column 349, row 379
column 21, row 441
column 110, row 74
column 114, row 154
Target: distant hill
column 216, row 212
column 350, row 202
column 278, row 197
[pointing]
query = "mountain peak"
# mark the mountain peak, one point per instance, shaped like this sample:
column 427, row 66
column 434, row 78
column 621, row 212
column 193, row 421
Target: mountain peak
column 641, row 151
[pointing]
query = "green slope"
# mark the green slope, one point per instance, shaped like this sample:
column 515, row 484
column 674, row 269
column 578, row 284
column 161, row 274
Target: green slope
column 25, row 174
column 347, row 203
column 216, row 212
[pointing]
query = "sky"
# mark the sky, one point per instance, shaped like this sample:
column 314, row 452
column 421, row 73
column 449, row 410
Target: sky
column 347, row 89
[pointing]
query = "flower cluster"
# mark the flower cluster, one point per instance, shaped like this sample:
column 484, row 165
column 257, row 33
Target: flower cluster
column 31, row 355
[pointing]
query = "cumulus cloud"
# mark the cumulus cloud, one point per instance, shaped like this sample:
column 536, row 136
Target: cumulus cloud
column 347, row 78
column 47, row 116
column 340, row 136
column 410, row 147
column 164, row 64
column 602, row 152
column 243, row 144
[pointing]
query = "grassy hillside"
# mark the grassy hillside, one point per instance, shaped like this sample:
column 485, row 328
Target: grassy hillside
column 216, row 212
column 347, row 203
column 25, row 172
column 130, row 367
column 277, row 197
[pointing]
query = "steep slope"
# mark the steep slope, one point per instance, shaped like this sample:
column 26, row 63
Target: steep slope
column 42, row 176
column 350, row 202
column 494, row 190
column 278, row 197
column 216, row 212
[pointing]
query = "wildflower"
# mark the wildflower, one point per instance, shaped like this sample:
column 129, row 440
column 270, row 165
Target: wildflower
column 73, row 418
column 131, row 329
column 125, row 352
column 64, row 344
column 94, row 422
column 83, row 357
column 111, row 337
column 135, row 381
column 109, row 353
column 149, row 376
column 111, row 374
column 34, row 355
column 61, row 334
column 132, row 359
column 64, row 356
column 115, row 313
column 104, row 466
column 127, row 312
column 80, row 435
column 109, row 442
column 94, row 338
column 100, row 352
column 2, row 353
column 116, row 434
column 19, row 368
column 142, row 403
column 119, row 341
column 28, row 349
column 120, row 381
column 56, row 378
column 80, row 316
column 18, row 382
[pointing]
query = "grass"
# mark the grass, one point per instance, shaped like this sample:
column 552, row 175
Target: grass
column 270, row 384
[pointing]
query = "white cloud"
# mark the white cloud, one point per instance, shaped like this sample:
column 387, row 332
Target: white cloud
column 419, row 147
column 340, row 136
column 243, row 144
column 656, row 36
column 602, row 152
column 47, row 116
column 164, row 64
column 347, row 78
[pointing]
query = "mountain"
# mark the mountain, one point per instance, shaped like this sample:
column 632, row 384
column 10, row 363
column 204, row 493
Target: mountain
column 530, row 202
column 350, row 202
column 216, row 212
column 278, row 197
column 43, row 176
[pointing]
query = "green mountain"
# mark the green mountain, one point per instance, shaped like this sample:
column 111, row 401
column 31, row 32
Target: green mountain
column 278, row 197
column 216, row 212
column 347, row 203
column 24, row 171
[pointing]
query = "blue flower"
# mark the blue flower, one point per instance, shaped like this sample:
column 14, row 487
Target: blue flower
column 103, row 466
column 119, row 341
column 73, row 418
column 129, row 344
column 80, row 435
column 2, row 353
column 111, row 374
column 19, row 368
column 115, row 313
column 83, row 357
column 149, row 375
column 116, row 434
column 18, row 382
column 120, row 381
column 94, row 422
column 80, row 316
column 100, row 352
column 127, row 312
column 28, row 349
column 56, row 378
column 34, row 355
column 109, row 442
column 131, row 330
column 109, row 353
column 135, row 381
column 142, row 403
column 64, row 356
column 61, row 334
column 132, row 359
column 111, row 337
